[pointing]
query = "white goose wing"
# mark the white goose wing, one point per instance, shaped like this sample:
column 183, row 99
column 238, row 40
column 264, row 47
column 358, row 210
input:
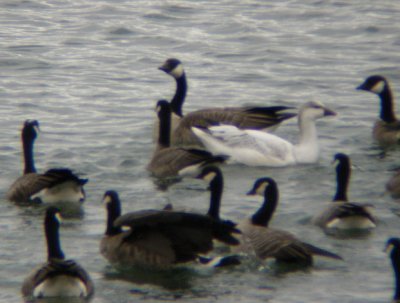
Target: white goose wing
column 250, row 147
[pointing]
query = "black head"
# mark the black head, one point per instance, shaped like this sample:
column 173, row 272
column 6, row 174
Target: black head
column 30, row 129
column 112, row 203
column 374, row 84
column 172, row 67
column 341, row 158
column 261, row 185
column 392, row 246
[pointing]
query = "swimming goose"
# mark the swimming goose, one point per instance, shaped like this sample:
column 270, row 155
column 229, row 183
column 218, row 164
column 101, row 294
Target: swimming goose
column 342, row 214
column 159, row 237
column 392, row 248
column 267, row 242
column 256, row 148
column 386, row 130
column 170, row 161
column 55, row 185
column 58, row 277
column 246, row 117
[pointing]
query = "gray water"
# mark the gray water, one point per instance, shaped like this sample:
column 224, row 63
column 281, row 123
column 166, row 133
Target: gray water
column 87, row 70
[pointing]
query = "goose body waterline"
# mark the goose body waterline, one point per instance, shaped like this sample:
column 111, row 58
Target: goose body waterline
column 159, row 238
column 168, row 161
column 256, row 148
column 246, row 117
column 341, row 214
column 55, row 185
column 265, row 242
column 58, row 277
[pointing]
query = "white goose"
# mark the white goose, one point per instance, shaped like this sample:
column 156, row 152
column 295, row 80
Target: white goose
column 257, row 148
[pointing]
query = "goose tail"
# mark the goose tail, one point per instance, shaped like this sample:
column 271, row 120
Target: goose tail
column 322, row 252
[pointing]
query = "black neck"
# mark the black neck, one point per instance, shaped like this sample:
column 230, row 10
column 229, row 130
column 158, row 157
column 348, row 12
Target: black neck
column 53, row 240
column 113, row 212
column 27, row 145
column 387, row 111
column 342, row 181
column 396, row 267
column 180, row 94
column 164, row 131
column 216, row 188
column 263, row 216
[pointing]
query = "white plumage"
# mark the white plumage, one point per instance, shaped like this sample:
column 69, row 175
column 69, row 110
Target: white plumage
column 257, row 148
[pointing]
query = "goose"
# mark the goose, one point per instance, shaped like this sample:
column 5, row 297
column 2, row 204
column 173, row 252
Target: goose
column 55, row 185
column 267, row 242
column 246, row 117
column 392, row 248
column 159, row 238
column 386, row 130
column 57, row 277
column 342, row 214
column 256, row 148
column 169, row 161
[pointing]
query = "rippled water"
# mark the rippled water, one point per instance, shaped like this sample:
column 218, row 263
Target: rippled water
column 87, row 70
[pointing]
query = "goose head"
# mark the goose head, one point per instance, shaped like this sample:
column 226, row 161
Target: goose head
column 375, row 84
column 30, row 130
column 113, row 207
column 173, row 67
column 314, row 110
column 267, row 188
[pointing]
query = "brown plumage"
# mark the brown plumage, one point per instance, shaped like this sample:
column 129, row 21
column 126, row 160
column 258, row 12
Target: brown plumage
column 159, row 237
column 170, row 161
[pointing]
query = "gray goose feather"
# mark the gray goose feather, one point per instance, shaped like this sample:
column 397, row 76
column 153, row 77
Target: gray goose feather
column 170, row 161
column 159, row 237
column 266, row 242
column 243, row 117
column 54, row 185
column 57, row 277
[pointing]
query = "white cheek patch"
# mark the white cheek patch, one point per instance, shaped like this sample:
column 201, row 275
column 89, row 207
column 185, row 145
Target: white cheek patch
column 107, row 200
column 261, row 189
column 209, row 177
column 378, row 87
column 177, row 72
column 389, row 249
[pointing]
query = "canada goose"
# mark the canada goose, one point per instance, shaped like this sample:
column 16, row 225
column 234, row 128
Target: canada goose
column 55, row 185
column 268, row 242
column 256, row 148
column 386, row 130
column 159, row 237
column 58, row 277
column 170, row 161
column 246, row 117
column 392, row 248
column 341, row 214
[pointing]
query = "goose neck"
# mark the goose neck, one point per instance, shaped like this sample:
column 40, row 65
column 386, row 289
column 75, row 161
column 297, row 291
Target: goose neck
column 396, row 267
column 342, row 182
column 216, row 188
column 29, row 164
column 54, row 250
column 180, row 94
column 308, row 131
column 387, row 107
column 112, row 214
column 164, row 135
column 263, row 216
